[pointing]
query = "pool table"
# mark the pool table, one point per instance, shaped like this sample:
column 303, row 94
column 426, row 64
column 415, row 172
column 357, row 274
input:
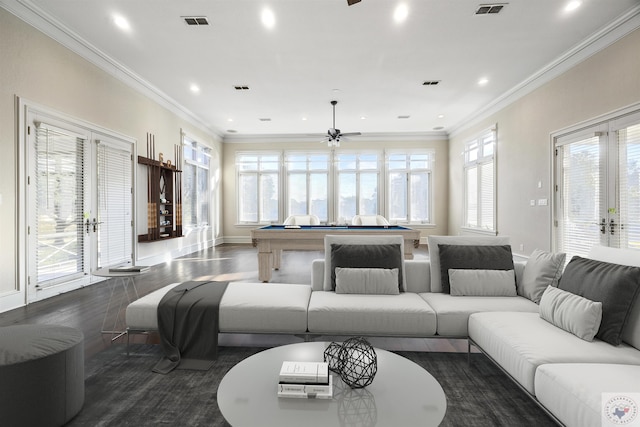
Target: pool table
column 272, row 239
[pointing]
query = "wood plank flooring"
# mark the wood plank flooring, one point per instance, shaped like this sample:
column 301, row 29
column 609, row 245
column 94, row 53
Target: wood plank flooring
column 85, row 308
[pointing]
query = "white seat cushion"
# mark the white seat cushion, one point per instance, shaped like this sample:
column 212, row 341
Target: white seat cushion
column 245, row 307
column 454, row 311
column 405, row 314
column 520, row 342
column 264, row 307
column 573, row 391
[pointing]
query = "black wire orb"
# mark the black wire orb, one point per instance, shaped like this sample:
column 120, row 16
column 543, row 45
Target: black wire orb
column 359, row 362
column 332, row 357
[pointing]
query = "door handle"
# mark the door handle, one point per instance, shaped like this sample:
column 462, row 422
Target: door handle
column 87, row 224
column 95, row 225
column 603, row 226
column 612, row 227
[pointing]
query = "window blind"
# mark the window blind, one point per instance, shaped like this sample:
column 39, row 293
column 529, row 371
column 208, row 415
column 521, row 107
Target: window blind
column 629, row 187
column 60, row 205
column 114, row 205
column 580, row 201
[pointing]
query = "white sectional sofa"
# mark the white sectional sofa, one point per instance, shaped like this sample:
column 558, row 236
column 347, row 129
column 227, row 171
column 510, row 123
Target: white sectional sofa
column 563, row 373
column 566, row 374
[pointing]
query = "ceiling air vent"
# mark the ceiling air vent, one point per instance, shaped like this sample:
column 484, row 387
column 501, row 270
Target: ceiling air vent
column 430, row 82
column 241, row 87
column 265, row 119
column 490, row 9
column 404, row 117
column 196, row 20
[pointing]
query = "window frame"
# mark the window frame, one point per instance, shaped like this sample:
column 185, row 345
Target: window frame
column 475, row 158
column 200, row 167
column 409, row 171
column 258, row 173
column 307, row 172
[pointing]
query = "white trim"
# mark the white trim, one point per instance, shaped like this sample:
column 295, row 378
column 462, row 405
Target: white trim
column 605, row 37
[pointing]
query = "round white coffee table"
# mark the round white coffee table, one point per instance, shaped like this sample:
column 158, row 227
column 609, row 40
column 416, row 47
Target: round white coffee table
column 402, row 394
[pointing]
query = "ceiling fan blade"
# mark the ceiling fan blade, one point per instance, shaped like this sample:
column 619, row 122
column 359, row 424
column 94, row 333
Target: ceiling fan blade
column 350, row 134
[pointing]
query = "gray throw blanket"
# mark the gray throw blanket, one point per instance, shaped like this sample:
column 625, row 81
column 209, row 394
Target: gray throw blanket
column 188, row 325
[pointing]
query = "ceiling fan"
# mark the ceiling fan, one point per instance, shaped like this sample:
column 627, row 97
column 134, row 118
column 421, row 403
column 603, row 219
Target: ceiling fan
column 333, row 134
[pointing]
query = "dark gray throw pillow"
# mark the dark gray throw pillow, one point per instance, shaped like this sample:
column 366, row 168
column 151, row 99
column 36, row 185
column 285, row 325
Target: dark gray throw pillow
column 366, row 256
column 614, row 285
column 472, row 257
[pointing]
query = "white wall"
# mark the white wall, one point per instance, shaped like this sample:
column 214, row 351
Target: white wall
column 605, row 82
column 36, row 68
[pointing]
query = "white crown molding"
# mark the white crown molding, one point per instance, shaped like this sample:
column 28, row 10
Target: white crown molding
column 606, row 36
column 53, row 28
column 365, row 137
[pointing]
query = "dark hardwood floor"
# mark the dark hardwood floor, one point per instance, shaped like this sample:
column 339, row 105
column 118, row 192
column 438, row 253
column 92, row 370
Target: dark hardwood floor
column 85, row 308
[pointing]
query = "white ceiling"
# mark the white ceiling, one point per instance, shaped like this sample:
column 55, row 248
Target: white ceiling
column 320, row 50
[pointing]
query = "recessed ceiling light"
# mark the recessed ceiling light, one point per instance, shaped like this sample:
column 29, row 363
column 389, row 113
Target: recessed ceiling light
column 483, row 81
column 121, row 22
column 304, row 119
column 268, row 18
column 363, row 117
column 229, row 119
column 194, row 88
column 400, row 13
column 572, row 5
column 441, row 116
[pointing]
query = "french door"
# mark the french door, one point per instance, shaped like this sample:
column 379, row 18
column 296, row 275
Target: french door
column 597, row 177
column 78, row 207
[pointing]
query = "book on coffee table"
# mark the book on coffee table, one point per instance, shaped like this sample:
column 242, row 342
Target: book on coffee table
column 304, row 373
column 307, row 391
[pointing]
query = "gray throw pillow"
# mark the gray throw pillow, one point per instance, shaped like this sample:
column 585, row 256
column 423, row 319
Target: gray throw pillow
column 482, row 257
column 571, row 312
column 615, row 286
column 366, row 256
column 482, row 283
column 542, row 269
column 372, row 281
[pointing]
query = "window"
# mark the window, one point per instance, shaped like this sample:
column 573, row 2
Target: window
column 258, row 187
column 479, row 183
column 308, row 184
column 335, row 186
column 358, row 177
column 196, row 194
column 409, row 187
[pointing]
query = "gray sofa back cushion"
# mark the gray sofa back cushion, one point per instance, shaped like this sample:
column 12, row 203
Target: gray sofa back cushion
column 474, row 257
column 366, row 256
column 615, row 285
column 434, row 253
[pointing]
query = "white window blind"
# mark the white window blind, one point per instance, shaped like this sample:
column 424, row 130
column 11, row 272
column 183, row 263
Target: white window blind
column 114, row 205
column 629, row 188
column 480, row 183
column 60, row 205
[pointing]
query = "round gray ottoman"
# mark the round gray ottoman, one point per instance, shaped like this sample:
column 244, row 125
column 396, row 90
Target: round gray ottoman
column 41, row 375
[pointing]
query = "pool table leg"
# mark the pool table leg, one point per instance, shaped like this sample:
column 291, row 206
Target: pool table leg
column 277, row 258
column 265, row 260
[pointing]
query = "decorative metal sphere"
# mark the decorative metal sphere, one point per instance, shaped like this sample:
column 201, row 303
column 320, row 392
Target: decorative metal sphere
column 359, row 362
column 332, row 357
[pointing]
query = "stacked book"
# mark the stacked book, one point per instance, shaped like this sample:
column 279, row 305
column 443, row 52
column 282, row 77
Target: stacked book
column 307, row 380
